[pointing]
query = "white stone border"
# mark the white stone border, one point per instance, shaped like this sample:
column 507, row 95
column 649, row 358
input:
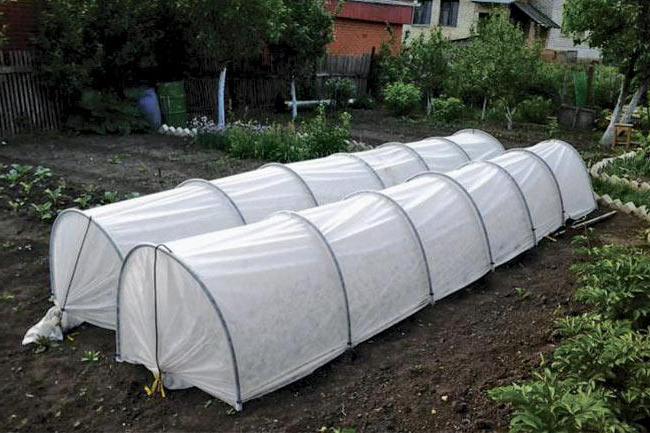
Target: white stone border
column 629, row 207
column 597, row 168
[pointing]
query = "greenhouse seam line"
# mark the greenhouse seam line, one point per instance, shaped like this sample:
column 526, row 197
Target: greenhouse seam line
column 335, row 260
column 219, row 190
column 296, row 175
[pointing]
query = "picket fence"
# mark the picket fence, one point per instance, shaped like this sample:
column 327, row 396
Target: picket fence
column 25, row 104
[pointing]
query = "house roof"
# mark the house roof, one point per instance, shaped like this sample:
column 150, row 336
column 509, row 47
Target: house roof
column 533, row 13
column 536, row 15
column 501, row 2
column 409, row 3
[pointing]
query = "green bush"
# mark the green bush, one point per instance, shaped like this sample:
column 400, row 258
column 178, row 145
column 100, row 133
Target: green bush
column 636, row 167
column 615, row 282
column 340, row 90
column 105, row 113
column 314, row 138
column 447, row 109
column 320, row 138
column 402, row 98
column 551, row 405
column 607, row 85
column 534, row 110
column 364, row 102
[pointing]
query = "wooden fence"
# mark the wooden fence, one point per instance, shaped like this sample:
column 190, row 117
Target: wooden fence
column 25, row 104
column 258, row 94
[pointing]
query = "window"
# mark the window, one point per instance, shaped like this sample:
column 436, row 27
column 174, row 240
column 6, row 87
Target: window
column 422, row 14
column 449, row 13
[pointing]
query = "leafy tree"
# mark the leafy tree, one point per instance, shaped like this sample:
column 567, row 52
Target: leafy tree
column 423, row 61
column 621, row 29
column 307, row 28
column 229, row 31
column 497, row 65
column 3, row 26
column 427, row 60
column 96, row 44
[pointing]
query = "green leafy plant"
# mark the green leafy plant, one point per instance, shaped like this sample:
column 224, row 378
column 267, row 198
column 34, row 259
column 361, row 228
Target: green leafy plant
column 522, row 293
column 106, row 113
column 447, row 109
column 634, row 168
column 91, row 356
column 622, row 192
column 402, row 98
column 549, row 404
column 15, row 174
column 322, row 138
column 44, row 211
column 340, row 90
column 84, row 201
column 42, row 174
column 553, row 128
column 534, row 110
column 616, row 282
column 611, row 354
column 26, row 187
column 54, row 195
column 110, row 197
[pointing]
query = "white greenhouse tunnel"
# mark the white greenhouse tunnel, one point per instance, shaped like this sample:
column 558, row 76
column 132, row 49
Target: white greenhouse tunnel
column 87, row 247
column 239, row 313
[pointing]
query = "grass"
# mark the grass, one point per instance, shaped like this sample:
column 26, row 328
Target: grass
column 622, row 192
column 636, row 168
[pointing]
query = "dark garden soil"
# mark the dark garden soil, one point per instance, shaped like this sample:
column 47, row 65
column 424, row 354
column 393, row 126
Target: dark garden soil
column 428, row 373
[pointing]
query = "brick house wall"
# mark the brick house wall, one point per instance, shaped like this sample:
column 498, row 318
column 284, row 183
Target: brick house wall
column 362, row 26
column 20, row 18
column 354, row 37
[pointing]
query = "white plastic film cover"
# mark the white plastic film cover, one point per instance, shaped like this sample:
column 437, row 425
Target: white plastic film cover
column 572, row 175
column 503, row 207
column 295, row 290
column 199, row 206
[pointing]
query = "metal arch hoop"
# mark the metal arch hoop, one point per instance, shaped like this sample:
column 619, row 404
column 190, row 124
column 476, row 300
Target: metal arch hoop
column 295, row 174
column 471, row 201
column 311, row 226
column 456, row 146
column 411, row 225
column 550, row 170
column 91, row 222
column 577, row 154
column 410, row 150
column 220, row 191
column 480, row 131
column 521, row 195
column 211, row 299
column 366, row 165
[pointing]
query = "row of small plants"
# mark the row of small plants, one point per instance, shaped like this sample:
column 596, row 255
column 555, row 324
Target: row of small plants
column 404, row 98
column 34, row 191
column 314, row 138
column 636, row 167
column 625, row 177
column 622, row 192
column 598, row 378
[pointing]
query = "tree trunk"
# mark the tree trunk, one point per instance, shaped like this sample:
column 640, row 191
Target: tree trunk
column 484, row 108
column 627, row 118
column 429, row 104
column 510, row 116
column 608, row 137
column 294, row 99
column 221, row 100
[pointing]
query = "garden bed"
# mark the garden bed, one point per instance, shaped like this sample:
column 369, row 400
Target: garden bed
column 431, row 372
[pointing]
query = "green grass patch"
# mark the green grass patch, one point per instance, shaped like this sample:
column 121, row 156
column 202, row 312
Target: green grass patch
column 622, row 192
column 634, row 168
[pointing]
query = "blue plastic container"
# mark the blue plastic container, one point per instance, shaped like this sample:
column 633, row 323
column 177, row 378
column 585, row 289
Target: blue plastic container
column 148, row 104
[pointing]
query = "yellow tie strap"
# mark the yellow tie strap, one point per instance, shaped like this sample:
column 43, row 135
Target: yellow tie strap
column 156, row 387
